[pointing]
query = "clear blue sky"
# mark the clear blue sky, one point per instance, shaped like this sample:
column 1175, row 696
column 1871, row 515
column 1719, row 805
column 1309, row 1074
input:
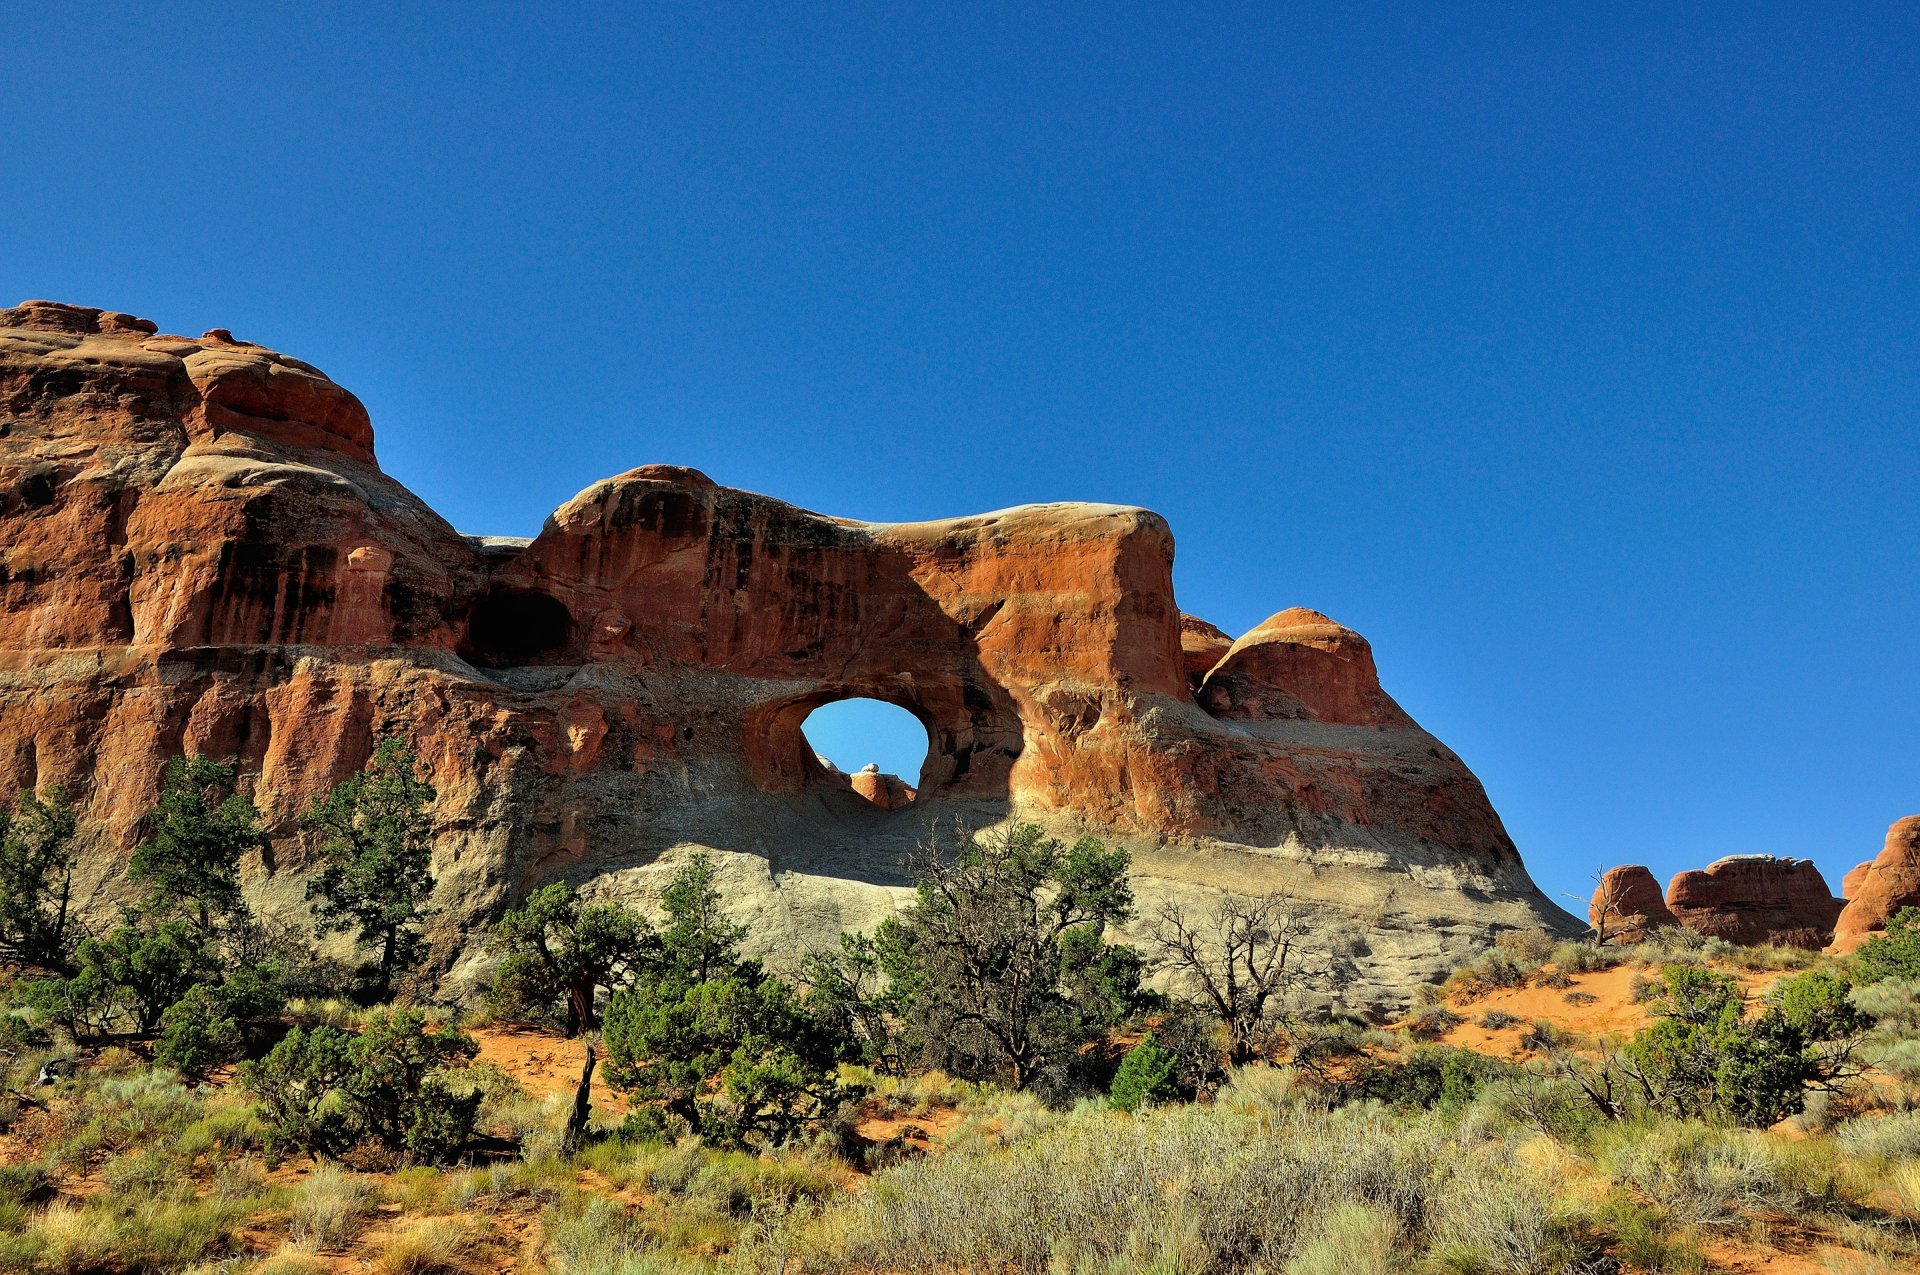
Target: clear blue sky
column 1570, row 356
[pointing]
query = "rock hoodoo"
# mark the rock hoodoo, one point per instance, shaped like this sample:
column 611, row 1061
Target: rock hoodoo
column 1627, row 905
column 1889, row 882
column 199, row 552
column 1754, row 899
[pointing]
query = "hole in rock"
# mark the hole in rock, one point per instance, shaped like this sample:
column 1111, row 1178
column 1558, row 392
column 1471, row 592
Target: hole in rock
column 876, row 748
column 509, row 628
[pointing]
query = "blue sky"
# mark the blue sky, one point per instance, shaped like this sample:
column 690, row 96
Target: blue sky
column 1569, row 354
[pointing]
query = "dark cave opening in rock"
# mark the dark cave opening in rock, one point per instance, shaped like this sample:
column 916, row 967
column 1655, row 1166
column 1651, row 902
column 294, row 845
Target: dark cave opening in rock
column 512, row 628
column 877, row 749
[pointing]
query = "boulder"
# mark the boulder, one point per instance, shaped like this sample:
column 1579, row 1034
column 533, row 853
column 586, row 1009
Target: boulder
column 1628, row 905
column 199, row 552
column 1891, row 881
column 1755, row 899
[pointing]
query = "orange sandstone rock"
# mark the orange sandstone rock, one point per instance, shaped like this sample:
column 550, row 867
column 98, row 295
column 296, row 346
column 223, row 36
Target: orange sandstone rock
column 1755, row 899
column 1891, row 882
column 1301, row 664
column 1628, row 905
column 1202, row 646
column 1855, row 878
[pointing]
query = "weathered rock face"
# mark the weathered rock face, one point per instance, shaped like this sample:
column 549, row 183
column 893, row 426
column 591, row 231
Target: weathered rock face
column 1891, row 881
column 199, row 553
column 1754, row 899
column 1627, row 905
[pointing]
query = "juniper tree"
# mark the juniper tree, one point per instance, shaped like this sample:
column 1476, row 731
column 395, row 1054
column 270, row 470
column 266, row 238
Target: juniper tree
column 558, row 952
column 197, row 832
column 37, row 925
column 376, row 840
column 1001, row 963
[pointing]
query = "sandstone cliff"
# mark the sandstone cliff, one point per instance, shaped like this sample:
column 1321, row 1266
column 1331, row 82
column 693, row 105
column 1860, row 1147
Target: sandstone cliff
column 198, row 551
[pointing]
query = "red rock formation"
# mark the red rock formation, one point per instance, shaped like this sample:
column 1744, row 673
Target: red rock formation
column 199, row 552
column 1891, row 882
column 1301, row 664
column 889, row 792
column 1856, row 877
column 1627, row 905
column 1202, row 646
column 1754, row 899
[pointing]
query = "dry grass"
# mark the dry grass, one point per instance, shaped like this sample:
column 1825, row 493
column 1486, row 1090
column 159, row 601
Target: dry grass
column 331, row 1208
column 423, row 1247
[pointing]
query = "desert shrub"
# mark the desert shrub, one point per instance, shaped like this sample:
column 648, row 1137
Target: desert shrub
column 1894, row 1136
column 590, row 1235
column 1492, row 970
column 1496, row 1020
column 1424, row 1078
column 1818, row 1005
column 1715, row 1177
column 426, row 1246
column 1230, row 1188
column 1640, row 1237
column 1432, row 1022
column 1353, row 1239
column 323, row 1090
column 1543, row 1037
column 1702, row 1057
column 1148, row 1074
column 1527, row 947
column 1577, row 957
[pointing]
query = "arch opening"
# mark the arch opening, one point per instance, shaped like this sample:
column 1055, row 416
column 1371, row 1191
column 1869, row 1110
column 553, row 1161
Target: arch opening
column 878, row 750
column 512, row 628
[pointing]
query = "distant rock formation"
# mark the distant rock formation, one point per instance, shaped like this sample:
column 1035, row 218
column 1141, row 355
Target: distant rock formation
column 199, row 552
column 889, row 792
column 1627, row 905
column 1756, row 898
column 1749, row 899
column 1882, row 886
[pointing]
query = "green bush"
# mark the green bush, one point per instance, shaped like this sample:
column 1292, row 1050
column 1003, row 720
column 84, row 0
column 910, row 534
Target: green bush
column 376, row 840
column 1426, row 1077
column 1148, row 1074
column 321, row 1090
column 1001, row 967
column 1892, row 954
column 1703, row 1058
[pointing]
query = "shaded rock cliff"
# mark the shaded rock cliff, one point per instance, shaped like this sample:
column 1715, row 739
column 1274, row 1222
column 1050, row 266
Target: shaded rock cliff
column 199, row 552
